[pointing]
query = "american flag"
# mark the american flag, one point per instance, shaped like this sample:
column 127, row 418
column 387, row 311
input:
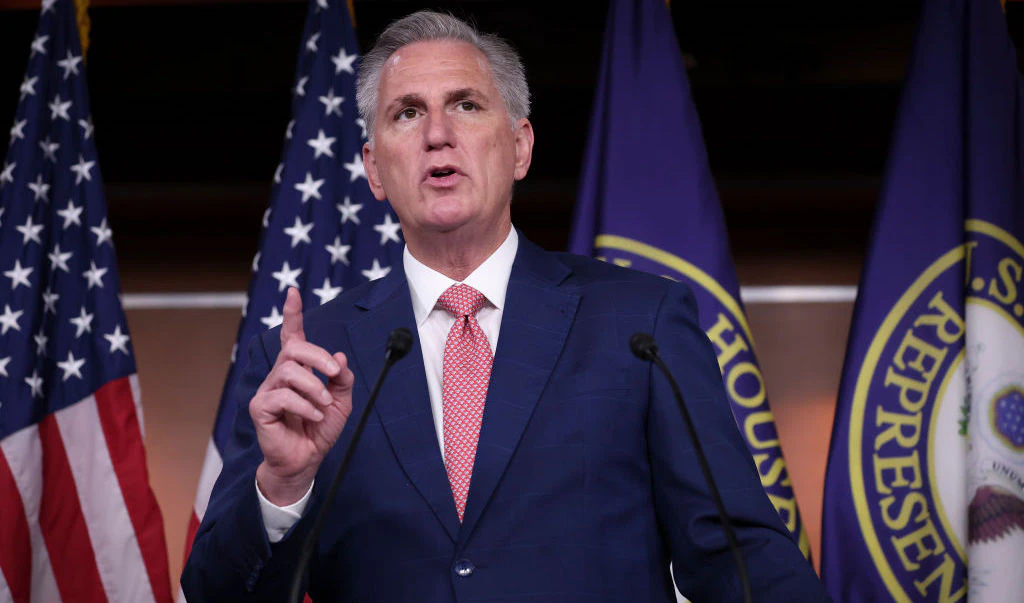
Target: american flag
column 324, row 231
column 78, row 520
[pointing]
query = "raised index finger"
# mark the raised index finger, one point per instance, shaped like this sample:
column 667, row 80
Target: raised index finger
column 291, row 327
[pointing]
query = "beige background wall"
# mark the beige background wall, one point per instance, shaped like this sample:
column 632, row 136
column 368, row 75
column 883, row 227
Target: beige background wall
column 183, row 357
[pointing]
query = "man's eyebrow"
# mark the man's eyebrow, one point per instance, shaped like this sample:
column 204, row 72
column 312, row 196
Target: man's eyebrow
column 461, row 94
column 406, row 100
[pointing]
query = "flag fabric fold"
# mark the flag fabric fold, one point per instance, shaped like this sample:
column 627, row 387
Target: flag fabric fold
column 924, row 493
column 647, row 201
column 324, row 231
column 78, row 521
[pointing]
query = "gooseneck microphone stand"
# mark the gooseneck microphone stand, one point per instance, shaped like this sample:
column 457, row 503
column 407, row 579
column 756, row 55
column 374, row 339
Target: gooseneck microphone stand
column 644, row 347
column 398, row 345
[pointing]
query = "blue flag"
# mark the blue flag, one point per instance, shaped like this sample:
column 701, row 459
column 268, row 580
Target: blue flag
column 647, row 201
column 324, row 231
column 924, row 494
column 78, row 520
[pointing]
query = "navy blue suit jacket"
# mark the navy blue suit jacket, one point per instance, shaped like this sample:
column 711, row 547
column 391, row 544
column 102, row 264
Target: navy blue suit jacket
column 585, row 484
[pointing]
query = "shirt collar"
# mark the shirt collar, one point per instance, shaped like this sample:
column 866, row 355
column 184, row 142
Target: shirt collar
column 490, row 278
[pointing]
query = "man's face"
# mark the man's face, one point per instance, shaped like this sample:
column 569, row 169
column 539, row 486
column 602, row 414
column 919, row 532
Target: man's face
column 445, row 152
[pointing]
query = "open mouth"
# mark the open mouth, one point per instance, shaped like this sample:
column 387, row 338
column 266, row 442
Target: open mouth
column 442, row 173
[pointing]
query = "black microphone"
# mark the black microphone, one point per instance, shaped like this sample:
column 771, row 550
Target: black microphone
column 398, row 345
column 644, row 347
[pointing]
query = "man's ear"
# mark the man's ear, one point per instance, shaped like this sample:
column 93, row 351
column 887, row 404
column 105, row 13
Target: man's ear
column 372, row 174
column 524, row 147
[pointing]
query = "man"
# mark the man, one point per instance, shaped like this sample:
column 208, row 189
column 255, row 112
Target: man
column 552, row 467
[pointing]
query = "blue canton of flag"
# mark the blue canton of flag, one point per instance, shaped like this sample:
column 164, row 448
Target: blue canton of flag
column 324, row 231
column 77, row 516
column 658, row 211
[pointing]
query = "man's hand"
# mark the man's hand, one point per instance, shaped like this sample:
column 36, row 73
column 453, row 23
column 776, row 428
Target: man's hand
column 297, row 419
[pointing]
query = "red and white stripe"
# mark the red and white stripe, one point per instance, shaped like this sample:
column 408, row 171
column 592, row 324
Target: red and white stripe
column 78, row 521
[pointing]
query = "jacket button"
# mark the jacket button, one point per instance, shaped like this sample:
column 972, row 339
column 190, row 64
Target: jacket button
column 464, row 568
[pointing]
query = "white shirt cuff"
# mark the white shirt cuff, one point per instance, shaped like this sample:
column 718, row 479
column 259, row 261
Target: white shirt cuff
column 278, row 520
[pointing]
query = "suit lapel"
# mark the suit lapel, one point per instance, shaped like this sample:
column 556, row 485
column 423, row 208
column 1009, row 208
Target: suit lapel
column 403, row 405
column 534, row 326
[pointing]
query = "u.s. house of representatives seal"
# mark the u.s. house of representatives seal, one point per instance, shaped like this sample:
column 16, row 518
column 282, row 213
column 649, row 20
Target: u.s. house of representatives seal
column 725, row 324
column 937, row 428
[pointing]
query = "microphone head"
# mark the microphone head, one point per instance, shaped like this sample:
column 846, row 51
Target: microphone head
column 399, row 343
column 643, row 346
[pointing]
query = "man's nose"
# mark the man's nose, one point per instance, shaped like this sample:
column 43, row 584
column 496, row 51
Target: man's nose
column 439, row 132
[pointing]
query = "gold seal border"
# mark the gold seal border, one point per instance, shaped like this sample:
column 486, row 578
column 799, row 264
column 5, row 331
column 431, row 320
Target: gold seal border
column 867, row 369
column 712, row 286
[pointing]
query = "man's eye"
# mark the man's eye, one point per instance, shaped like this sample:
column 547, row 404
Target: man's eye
column 407, row 113
column 467, row 106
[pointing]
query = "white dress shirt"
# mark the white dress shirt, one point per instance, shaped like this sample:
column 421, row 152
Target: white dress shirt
column 432, row 324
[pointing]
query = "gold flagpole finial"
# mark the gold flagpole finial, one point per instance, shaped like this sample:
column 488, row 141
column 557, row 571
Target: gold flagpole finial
column 82, row 16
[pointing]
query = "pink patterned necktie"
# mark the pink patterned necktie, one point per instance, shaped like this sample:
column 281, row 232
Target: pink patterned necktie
column 467, row 370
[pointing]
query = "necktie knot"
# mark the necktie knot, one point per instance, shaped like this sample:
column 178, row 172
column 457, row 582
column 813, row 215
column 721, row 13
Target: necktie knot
column 462, row 300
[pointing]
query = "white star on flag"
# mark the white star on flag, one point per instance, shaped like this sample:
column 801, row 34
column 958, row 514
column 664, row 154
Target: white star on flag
column 322, row 4
column 59, row 260
column 356, row 168
column 362, row 125
column 47, row 6
column 87, row 127
column 94, row 275
column 327, row 292
column 288, row 130
column 50, row 301
column 19, row 275
column 39, row 45
column 82, row 170
column 3, row 366
column 9, row 320
column 7, row 175
column 103, row 233
column 49, row 149
column 376, row 271
column 299, row 232
column 349, row 211
column 388, row 230
column 70, row 65
column 28, row 87
column 286, row 277
column 256, row 262
column 40, row 189
column 59, row 108
column 310, row 188
column 311, row 42
column 72, row 214
column 300, row 87
column 41, row 340
column 36, row 383
column 332, row 104
column 273, row 319
column 83, row 323
column 266, row 217
column 321, row 145
column 339, row 252
column 30, row 231
column 118, row 340
column 343, row 62
column 18, row 130
column 277, row 174
column 71, row 366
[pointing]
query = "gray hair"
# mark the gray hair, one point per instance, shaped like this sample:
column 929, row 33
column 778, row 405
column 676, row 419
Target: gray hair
column 506, row 67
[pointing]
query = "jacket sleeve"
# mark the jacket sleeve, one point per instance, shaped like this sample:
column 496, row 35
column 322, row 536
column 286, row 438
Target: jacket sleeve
column 231, row 558
column 703, row 566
